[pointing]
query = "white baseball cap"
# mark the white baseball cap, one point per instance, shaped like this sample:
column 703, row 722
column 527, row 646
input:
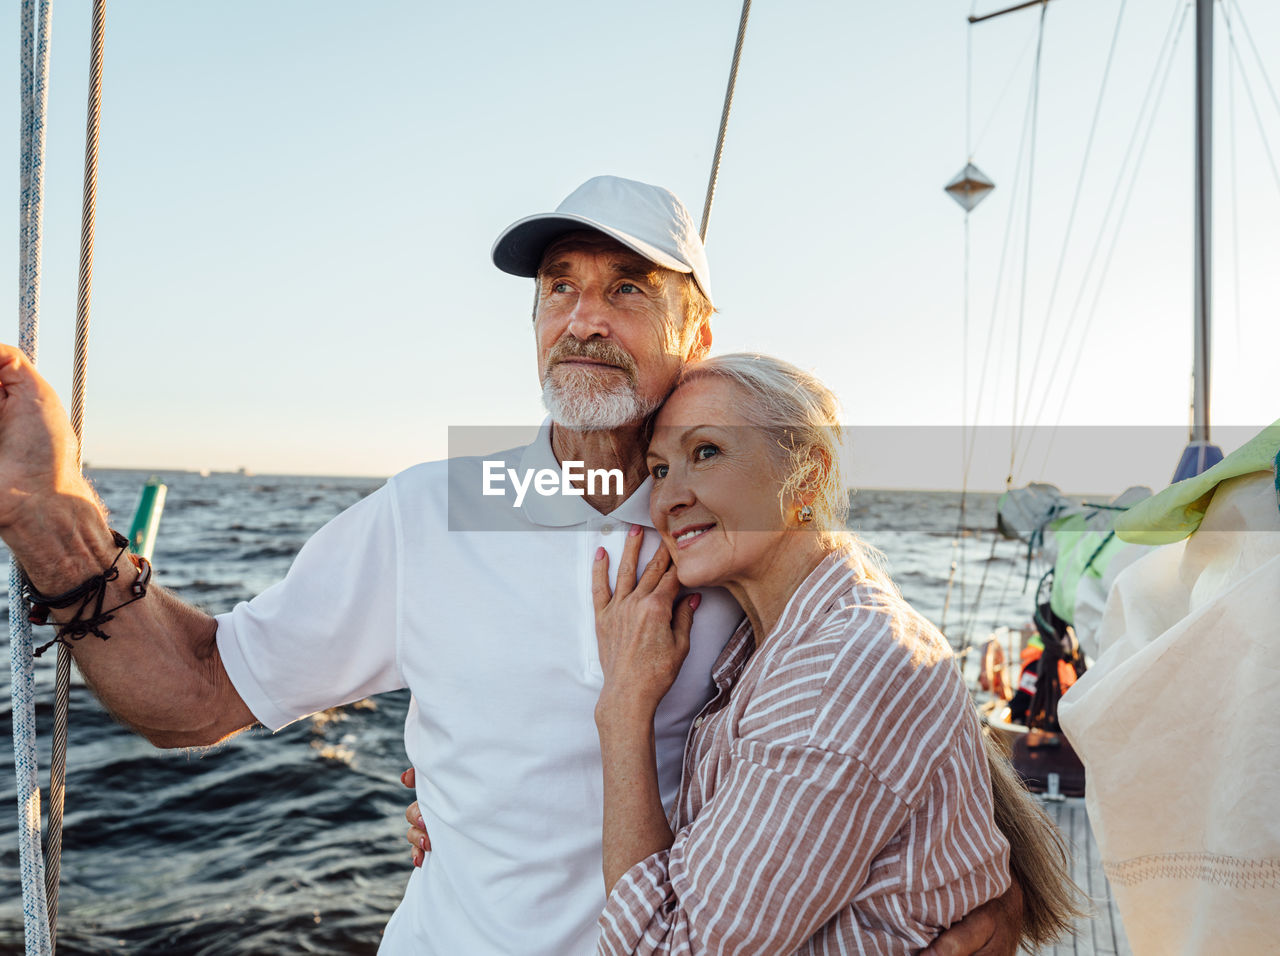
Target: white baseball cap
column 647, row 219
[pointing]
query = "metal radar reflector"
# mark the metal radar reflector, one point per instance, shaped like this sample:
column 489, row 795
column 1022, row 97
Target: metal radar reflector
column 969, row 187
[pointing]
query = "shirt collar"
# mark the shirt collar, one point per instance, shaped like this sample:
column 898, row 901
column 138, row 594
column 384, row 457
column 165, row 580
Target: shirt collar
column 819, row 593
column 737, row 651
column 565, row 511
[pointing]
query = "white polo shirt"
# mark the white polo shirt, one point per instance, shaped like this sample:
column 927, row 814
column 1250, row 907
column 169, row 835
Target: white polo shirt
column 483, row 610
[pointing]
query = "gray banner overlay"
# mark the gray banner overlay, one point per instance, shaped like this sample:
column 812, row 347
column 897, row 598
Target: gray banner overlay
column 498, row 483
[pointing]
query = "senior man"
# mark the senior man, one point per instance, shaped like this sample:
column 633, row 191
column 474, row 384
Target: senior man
column 478, row 604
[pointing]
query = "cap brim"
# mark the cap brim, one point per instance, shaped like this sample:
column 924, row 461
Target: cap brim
column 518, row 251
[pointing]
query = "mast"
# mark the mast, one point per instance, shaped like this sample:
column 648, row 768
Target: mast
column 1203, row 218
column 1200, row 453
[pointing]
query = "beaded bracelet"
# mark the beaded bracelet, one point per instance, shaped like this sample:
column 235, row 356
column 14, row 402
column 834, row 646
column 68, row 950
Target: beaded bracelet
column 87, row 598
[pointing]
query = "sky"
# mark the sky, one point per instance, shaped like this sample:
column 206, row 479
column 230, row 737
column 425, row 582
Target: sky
column 297, row 201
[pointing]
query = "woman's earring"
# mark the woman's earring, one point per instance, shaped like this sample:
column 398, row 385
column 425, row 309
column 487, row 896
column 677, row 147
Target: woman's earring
column 806, row 514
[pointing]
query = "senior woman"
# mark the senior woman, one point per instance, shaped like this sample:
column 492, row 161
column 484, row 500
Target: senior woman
column 835, row 795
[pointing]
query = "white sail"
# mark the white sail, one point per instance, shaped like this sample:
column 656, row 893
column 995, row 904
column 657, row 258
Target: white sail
column 1175, row 724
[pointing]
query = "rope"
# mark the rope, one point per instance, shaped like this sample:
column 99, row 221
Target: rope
column 1253, row 105
column 1115, row 236
column 964, row 328
column 968, row 86
column 57, row 788
column 35, row 31
column 1262, row 68
column 1026, row 248
column 1235, row 64
column 967, row 640
column 995, row 301
column 1071, row 218
column 1008, row 85
column 1004, row 592
column 87, row 219
column 957, row 543
column 62, row 681
column 724, row 118
column 1150, row 101
column 1015, row 194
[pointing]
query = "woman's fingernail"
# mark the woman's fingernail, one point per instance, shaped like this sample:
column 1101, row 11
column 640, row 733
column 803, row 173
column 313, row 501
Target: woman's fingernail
column 635, row 530
column 599, row 553
column 694, row 602
column 404, row 778
column 422, row 844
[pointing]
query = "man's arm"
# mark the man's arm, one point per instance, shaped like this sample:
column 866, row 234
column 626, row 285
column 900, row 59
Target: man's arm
column 1042, row 901
column 993, row 929
column 160, row 672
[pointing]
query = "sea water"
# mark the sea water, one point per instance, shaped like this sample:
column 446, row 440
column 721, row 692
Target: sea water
column 292, row 842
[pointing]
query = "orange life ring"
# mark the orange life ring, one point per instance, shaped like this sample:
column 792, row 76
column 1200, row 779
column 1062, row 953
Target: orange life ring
column 994, row 676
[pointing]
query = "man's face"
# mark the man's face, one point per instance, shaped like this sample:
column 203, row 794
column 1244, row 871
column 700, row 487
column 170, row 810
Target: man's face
column 608, row 328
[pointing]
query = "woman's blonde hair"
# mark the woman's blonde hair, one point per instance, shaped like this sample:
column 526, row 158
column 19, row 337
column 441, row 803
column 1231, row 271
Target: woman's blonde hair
column 1039, row 861
column 800, row 416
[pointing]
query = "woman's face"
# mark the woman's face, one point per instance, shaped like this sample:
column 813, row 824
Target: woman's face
column 717, row 481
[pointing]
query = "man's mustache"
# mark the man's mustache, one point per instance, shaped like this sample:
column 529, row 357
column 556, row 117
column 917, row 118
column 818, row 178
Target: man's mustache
column 598, row 350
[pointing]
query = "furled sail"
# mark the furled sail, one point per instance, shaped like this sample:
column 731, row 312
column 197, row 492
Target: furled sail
column 1175, row 721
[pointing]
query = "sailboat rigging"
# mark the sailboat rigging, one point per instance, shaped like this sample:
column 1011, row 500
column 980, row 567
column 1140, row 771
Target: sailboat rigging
column 1142, row 711
column 1076, row 541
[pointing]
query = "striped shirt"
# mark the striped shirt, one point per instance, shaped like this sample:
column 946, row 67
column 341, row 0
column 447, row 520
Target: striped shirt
column 835, row 796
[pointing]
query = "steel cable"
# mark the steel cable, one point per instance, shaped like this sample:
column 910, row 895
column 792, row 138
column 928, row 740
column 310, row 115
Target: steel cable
column 62, row 682
column 1150, row 101
column 36, row 18
column 1071, row 218
column 724, row 118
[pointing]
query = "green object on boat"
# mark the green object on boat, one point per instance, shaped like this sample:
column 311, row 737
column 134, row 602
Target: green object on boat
column 146, row 520
column 1176, row 512
column 1082, row 551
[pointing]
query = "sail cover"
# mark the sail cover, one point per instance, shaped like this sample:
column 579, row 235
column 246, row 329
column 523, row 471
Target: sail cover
column 1077, row 540
column 1176, row 726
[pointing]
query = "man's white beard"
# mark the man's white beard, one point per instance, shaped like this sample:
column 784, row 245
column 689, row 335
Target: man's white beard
column 588, row 406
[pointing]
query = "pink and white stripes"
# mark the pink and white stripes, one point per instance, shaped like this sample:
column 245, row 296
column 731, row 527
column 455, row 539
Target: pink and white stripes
column 835, row 795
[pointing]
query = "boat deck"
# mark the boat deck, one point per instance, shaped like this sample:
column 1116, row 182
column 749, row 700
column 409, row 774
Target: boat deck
column 1101, row 932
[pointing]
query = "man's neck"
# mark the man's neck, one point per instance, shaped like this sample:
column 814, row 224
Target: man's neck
column 620, row 448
